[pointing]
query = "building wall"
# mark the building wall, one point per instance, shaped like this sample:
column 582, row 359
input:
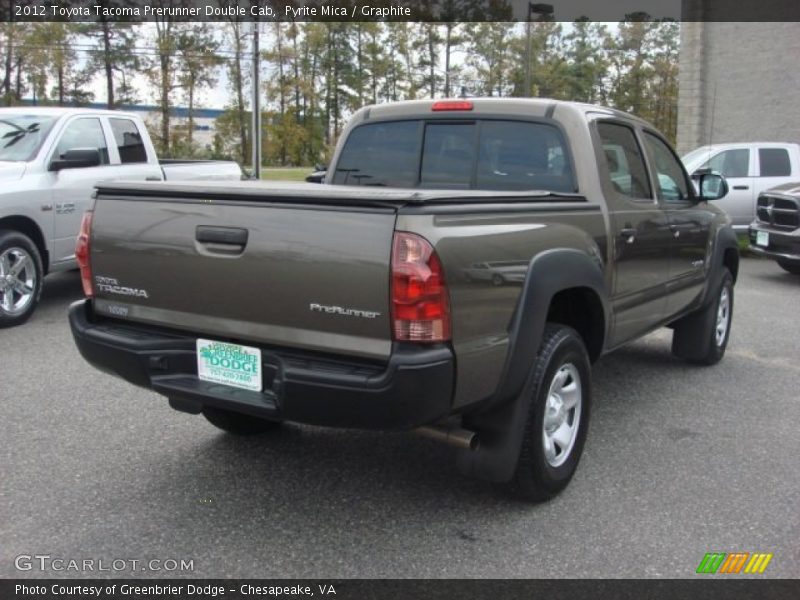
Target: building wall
column 739, row 82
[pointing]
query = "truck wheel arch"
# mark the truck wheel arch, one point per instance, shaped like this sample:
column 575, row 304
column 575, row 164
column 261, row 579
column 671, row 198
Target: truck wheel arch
column 724, row 254
column 28, row 227
column 553, row 276
column 730, row 259
column 581, row 309
column 560, row 273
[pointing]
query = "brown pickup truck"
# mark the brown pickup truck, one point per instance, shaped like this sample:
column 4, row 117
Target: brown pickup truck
column 358, row 302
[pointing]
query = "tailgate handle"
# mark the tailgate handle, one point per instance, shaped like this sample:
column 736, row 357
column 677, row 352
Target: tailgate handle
column 232, row 236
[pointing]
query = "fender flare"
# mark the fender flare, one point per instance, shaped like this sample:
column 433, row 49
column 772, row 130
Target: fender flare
column 501, row 424
column 724, row 240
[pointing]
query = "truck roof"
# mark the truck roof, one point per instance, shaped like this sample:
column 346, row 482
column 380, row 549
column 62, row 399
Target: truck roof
column 540, row 107
column 58, row 111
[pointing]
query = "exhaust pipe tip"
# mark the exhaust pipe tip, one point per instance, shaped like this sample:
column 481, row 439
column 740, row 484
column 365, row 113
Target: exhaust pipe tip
column 452, row 436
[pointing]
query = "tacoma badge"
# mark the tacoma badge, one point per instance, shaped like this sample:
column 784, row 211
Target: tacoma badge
column 109, row 285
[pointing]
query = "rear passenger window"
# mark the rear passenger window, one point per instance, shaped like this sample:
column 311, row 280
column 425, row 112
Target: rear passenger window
column 129, row 141
column 523, row 156
column 626, row 169
column 774, row 162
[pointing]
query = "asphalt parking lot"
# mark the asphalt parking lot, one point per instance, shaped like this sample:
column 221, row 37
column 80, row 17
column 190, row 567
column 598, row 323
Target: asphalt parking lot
column 680, row 461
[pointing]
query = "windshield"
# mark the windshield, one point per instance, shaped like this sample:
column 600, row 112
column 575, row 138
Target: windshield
column 21, row 135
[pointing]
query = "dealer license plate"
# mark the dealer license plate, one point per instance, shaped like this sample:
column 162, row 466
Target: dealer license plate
column 229, row 364
column 762, row 238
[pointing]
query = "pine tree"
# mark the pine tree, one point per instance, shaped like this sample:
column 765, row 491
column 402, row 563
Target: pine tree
column 632, row 46
column 400, row 81
column 547, row 60
column 489, row 59
column 113, row 52
column 198, row 63
column 161, row 73
column 664, row 83
column 428, row 49
column 587, row 63
column 235, row 37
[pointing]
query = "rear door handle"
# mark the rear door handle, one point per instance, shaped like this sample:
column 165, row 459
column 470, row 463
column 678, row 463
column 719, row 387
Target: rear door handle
column 225, row 239
column 741, row 187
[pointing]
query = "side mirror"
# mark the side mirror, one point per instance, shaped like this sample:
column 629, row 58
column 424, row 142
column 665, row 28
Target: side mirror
column 76, row 158
column 710, row 185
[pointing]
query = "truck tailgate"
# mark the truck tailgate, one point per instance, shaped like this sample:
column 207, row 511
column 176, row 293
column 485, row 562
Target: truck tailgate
column 271, row 273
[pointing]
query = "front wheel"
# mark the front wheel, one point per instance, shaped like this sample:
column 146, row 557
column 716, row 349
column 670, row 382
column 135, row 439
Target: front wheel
column 558, row 417
column 702, row 337
column 238, row 423
column 21, row 276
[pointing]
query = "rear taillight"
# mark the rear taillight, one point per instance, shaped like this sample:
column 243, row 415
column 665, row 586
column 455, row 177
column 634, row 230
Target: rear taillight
column 82, row 254
column 420, row 307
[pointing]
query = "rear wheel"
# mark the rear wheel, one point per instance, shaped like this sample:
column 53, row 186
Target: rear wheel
column 792, row 267
column 21, row 276
column 558, row 417
column 238, row 423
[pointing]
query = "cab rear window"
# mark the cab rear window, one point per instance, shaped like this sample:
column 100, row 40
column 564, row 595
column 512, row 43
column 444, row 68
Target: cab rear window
column 449, row 154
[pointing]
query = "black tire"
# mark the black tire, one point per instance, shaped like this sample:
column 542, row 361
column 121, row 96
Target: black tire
column 695, row 337
column 498, row 280
column 537, row 478
column 792, row 267
column 13, row 246
column 238, row 423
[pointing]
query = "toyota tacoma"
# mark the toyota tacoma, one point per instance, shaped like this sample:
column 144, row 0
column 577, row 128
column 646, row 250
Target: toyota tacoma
column 355, row 303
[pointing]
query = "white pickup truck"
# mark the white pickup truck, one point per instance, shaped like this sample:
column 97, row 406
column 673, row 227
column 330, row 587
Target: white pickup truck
column 50, row 161
column 749, row 168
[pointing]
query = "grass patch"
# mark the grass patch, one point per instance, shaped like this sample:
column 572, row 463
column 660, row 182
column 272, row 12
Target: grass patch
column 286, row 173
